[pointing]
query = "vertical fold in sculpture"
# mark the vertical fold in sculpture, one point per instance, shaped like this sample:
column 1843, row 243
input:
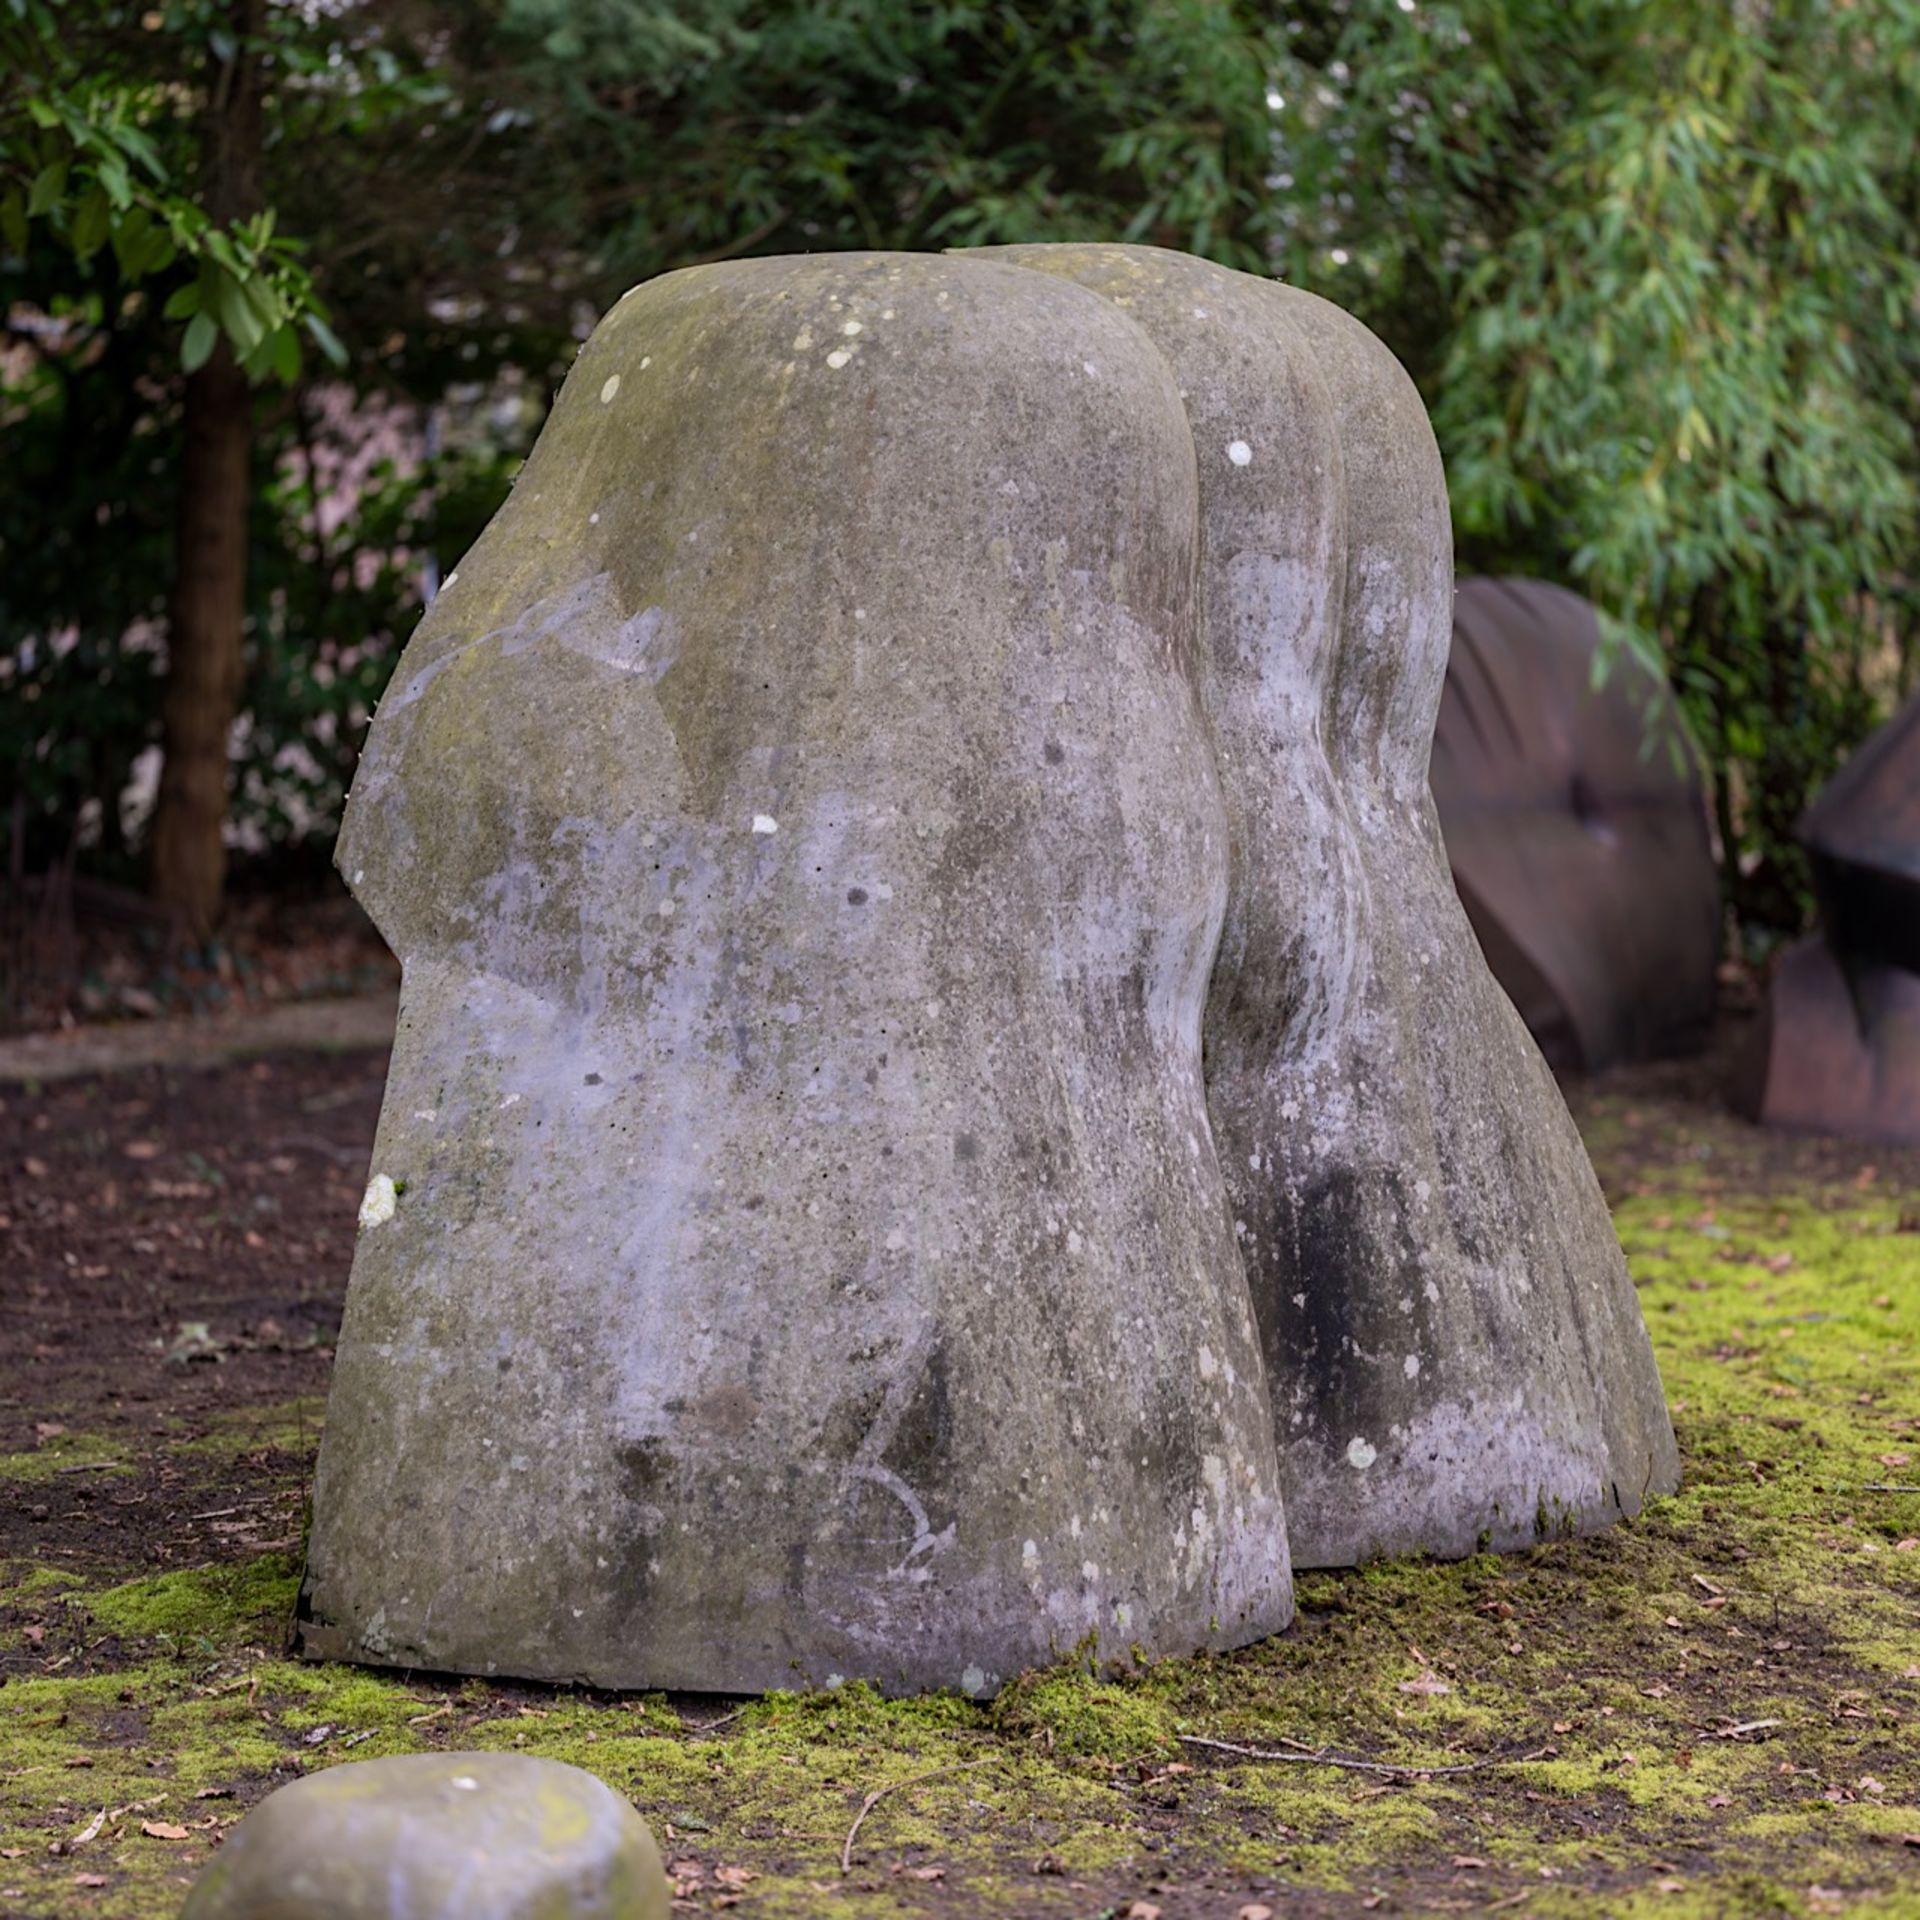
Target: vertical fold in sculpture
column 1454, row 1350
column 795, row 1246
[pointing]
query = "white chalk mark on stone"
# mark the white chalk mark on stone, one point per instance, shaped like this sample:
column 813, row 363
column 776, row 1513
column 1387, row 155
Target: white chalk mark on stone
column 765, row 823
column 376, row 1209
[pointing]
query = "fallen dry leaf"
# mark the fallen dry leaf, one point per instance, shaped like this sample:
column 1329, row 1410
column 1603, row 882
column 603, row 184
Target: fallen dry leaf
column 142, row 1149
column 1425, row 1683
column 1143, row 1910
column 162, row 1830
column 734, row 1877
column 89, row 1879
column 1469, row 1860
column 1254, row 1911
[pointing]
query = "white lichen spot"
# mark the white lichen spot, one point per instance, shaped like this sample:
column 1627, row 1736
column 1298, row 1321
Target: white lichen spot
column 974, row 1680
column 1209, row 1366
column 850, row 328
column 1360, row 1454
column 1073, row 1526
column 1030, row 1556
column 765, row 823
column 1239, row 452
column 896, row 1241
column 802, row 341
column 1290, row 1110
column 839, row 358
column 646, row 360
column 665, row 909
column 1074, row 1242
column 1089, row 369
column 593, row 519
column 859, row 613
column 465, row 1782
column 611, row 387
column 376, row 1208
column 1410, row 1366
column 1089, row 1570
column 1300, row 1301
column 1432, row 1292
column 1422, row 1191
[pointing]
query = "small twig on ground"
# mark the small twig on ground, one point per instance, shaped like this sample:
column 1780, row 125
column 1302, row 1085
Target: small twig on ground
column 1745, row 1727
column 90, row 1466
column 1396, row 1769
column 893, row 1786
column 726, row 1719
column 1881, row 1486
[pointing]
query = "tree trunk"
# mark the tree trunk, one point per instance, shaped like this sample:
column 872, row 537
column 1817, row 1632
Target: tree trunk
column 207, row 621
column 204, row 655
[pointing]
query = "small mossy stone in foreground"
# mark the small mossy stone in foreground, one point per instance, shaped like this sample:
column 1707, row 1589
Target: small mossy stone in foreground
column 438, row 1836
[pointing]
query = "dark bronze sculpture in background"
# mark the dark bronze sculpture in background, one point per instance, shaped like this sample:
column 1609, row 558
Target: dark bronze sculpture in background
column 1576, row 825
column 1839, row 1049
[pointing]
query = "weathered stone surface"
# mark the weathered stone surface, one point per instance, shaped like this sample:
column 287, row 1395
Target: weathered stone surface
column 1454, row 1349
column 796, row 1246
column 437, row 1836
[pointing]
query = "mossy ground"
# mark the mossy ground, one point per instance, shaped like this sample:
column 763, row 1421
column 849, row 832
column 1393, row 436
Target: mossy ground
column 1712, row 1710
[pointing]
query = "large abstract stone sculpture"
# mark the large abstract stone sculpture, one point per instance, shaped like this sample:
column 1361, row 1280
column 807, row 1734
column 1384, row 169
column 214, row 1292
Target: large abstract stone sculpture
column 1838, row 1049
column 796, row 1245
column 1453, row 1345
column 1575, row 813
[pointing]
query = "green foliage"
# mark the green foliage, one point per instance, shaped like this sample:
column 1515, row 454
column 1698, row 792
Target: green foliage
column 1653, row 265
column 94, row 338
column 93, row 144
column 868, row 123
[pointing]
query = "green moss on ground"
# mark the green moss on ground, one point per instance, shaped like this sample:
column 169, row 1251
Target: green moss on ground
column 1712, row 1710
column 66, row 1453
